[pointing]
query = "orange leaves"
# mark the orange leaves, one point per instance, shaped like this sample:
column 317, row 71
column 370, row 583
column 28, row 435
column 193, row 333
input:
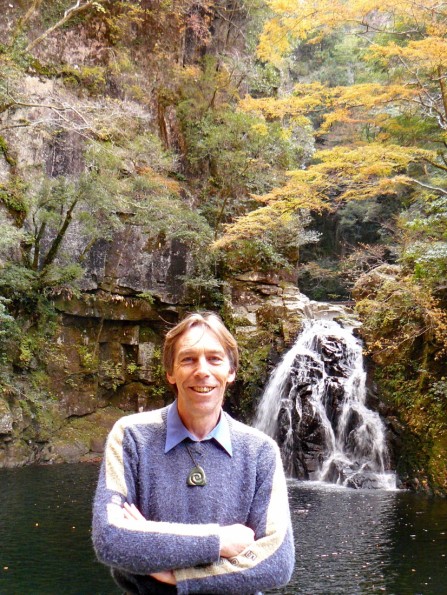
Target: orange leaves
column 356, row 103
column 306, row 99
column 158, row 179
column 429, row 53
column 293, row 21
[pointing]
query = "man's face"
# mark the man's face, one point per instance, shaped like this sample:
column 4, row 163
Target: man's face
column 201, row 372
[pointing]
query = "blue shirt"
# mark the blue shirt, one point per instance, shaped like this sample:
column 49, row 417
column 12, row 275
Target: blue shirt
column 176, row 431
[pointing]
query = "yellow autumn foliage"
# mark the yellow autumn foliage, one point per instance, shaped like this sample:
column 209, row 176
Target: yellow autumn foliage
column 416, row 60
column 344, row 103
column 293, row 21
column 429, row 53
column 293, row 106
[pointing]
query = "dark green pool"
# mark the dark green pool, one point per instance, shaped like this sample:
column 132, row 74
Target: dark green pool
column 348, row 542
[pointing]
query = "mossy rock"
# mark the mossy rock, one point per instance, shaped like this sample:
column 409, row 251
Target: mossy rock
column 17, row 453
column 368, row 283
column 80, row 437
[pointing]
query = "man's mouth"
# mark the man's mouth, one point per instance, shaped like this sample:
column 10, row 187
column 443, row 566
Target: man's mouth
column 203, row 389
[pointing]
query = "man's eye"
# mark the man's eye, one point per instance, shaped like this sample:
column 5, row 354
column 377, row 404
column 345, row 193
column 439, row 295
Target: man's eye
column 186, row 360
column 215, row 359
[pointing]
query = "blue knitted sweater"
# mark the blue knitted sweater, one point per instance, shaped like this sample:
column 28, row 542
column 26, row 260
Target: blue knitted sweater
column 181, row 531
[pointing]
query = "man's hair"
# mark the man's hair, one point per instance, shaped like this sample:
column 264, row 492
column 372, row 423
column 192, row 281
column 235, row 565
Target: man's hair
column 207, row 321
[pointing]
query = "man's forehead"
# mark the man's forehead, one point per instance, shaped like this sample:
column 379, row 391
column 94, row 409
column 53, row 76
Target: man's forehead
column 198, row 337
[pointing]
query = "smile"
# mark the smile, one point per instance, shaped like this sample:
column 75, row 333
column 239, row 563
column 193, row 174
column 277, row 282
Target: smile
column 203, row 389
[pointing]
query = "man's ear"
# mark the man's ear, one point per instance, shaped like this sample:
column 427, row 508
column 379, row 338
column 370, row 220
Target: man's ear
column 231, row 377
column 170, row 378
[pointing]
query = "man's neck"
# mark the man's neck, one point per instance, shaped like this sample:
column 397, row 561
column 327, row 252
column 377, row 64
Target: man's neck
column 201, row 426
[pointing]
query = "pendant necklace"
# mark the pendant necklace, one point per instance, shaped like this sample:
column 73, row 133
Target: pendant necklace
column 197, row 475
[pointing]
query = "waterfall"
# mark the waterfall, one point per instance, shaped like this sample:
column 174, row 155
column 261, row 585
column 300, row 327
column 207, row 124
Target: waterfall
column 314, row 407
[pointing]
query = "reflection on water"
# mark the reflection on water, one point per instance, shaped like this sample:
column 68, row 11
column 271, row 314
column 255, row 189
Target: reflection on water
column 343, row 539
column 349, row 542
column 361, row 542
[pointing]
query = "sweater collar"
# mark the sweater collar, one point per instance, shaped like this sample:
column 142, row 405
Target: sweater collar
column 176, row 432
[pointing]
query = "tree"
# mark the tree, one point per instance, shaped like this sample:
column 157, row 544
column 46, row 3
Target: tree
column 390, row 122
column 97, row 203
column 69, row 13
column 242, row 155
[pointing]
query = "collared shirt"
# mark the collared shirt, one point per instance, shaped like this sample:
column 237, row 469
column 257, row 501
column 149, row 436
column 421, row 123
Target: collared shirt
column 176, row 431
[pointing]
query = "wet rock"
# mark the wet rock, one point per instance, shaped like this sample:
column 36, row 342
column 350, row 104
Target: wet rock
column 106, row 306
column 16, row 454
column 97, row 445
column 79, row 437
column 64, row 452
column 364, row 480
column 6, row 418
column 352, row 423
column 337, row 472
column 333, row 400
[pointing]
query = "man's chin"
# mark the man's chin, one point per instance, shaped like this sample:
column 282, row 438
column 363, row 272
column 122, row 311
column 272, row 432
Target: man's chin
column 205, row 402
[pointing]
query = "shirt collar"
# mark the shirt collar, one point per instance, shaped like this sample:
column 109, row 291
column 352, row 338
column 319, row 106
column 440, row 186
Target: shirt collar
column 176, row 432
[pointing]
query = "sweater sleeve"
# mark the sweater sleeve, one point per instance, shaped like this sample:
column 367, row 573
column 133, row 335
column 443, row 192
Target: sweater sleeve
column 269, row 561
column 135, row 546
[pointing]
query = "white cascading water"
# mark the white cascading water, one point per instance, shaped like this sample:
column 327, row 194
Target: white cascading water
column 321, row 384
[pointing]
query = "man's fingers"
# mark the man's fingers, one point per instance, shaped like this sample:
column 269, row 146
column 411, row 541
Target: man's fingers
column 131, row 512
column 166, row 576
column 234, row 539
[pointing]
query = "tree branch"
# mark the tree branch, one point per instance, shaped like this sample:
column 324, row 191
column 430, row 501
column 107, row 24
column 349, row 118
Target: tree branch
column 24, row 19
column 52, row 252
column 428, row 186
column 37, row 241
column 68, row 14
column 437, row 165
column 443, row 90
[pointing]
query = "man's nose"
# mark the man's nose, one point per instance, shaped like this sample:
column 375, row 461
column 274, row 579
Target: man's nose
column 202, row 368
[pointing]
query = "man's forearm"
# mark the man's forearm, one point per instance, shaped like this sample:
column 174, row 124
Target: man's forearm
column 145, row 547
column 268, row 562
column 261, row 566
column 234, row 539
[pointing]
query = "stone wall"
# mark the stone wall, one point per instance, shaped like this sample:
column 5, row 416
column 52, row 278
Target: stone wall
column 107, row 363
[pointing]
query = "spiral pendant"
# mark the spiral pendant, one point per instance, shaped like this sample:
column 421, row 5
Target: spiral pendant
column 196, row 476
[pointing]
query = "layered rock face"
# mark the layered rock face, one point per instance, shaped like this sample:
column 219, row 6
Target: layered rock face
column 109, row 348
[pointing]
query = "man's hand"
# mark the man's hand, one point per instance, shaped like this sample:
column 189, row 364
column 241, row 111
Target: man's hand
column 131, row 513
column 234, row 539
column 166, row 576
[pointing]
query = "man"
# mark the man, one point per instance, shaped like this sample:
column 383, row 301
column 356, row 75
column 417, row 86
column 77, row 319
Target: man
column 190, row 500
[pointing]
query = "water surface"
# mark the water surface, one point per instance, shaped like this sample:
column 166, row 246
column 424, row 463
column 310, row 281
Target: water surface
column 361, row 542
column 350, row 542
column 45, row 517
